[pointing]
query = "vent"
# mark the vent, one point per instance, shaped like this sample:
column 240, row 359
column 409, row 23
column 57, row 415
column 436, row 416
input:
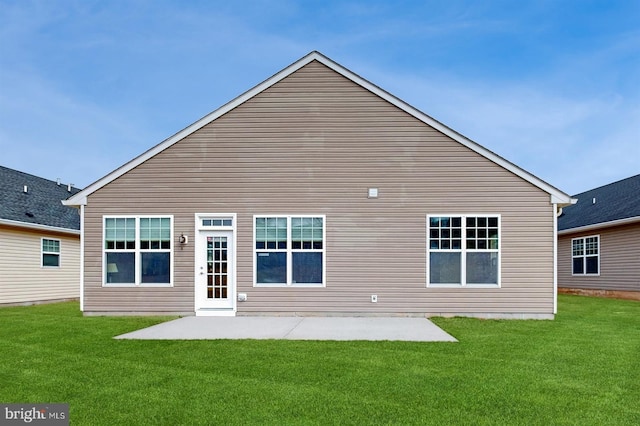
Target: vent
column 25, row 189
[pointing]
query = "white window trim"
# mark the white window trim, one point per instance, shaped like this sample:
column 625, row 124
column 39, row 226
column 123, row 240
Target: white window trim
column 42, row 253
column 463, row 251
column 584, row 256
column 289, row 250
column 216, row 216
column 137, row 251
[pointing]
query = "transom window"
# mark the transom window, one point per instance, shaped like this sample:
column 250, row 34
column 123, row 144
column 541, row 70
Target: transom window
column 463, row 250
column 289, row 250
column 137, row 250
column 50, row 252
column 585, row 253
column 217, row 222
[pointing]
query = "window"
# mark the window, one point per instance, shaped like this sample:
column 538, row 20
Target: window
column 463, row 250
column 217, row 222
column 289, row 250
column 137, row 250
column 50, row 252
column 585, row 253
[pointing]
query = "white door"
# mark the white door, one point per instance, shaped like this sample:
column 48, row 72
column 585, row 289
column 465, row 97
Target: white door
column 215, row 283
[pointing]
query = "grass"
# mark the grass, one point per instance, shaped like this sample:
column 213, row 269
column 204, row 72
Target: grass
column 583, row 368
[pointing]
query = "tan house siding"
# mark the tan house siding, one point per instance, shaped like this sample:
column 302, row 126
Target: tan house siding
column 24, row 280
column 312, row 144
column 619, row 260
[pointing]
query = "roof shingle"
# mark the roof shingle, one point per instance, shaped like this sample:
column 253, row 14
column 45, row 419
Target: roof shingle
column 41, row 204
column 615, row 201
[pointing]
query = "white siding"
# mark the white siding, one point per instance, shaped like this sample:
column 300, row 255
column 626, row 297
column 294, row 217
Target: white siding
column 23, row 279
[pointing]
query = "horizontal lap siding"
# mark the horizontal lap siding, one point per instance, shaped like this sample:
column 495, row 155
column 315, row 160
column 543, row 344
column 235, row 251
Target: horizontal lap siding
column 178, row 298
column 312, row 144
column 619, row 260
column 23, row 279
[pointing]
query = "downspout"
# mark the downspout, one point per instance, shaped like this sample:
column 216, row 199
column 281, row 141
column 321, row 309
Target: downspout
column 81, row 257
column 558, row 211
column 558, row 204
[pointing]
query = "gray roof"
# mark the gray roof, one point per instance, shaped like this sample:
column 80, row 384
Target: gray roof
column 615, row 201
column 41, row 204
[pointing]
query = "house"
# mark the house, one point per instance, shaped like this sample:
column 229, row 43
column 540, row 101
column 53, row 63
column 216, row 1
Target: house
column 318, row 193
column 599, row 241
column 39, row 240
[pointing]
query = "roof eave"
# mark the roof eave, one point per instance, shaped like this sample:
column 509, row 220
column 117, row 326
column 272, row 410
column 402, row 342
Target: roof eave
column 557, row 196
column 39, row 227
column 81, row 197
column 563, row 201
column 75, row 201
column 600, row 225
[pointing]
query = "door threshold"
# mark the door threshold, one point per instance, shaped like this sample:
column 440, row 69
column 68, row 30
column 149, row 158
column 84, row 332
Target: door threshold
column 213, row 312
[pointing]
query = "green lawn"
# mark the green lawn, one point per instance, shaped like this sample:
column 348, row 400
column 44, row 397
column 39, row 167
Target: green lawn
column 583, row 368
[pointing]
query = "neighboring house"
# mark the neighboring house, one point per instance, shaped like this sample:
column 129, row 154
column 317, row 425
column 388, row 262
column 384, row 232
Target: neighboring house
column 318, row 193
column 599, row 241
column 39, row 240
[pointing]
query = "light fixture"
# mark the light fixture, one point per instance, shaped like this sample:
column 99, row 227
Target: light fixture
column 184, row 239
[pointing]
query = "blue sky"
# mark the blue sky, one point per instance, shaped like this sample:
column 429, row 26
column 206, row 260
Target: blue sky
column 553, row 86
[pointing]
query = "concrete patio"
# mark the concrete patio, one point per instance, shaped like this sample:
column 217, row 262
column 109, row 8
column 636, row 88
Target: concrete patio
column 295, row 328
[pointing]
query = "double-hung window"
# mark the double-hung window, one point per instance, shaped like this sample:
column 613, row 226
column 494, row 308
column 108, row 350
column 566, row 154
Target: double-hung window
column 585, row 254
column 50, row 252
column 463, row 250
column 138, row 250
column 289, row 250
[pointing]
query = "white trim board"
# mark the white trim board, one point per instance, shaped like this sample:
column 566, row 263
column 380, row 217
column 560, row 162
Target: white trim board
column 39, row 227
column 600, row 225
column 557, row 196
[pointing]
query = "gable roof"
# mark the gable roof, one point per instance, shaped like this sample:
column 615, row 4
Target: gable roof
column 40, row 206
column 557, row 196
column 608, row 205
